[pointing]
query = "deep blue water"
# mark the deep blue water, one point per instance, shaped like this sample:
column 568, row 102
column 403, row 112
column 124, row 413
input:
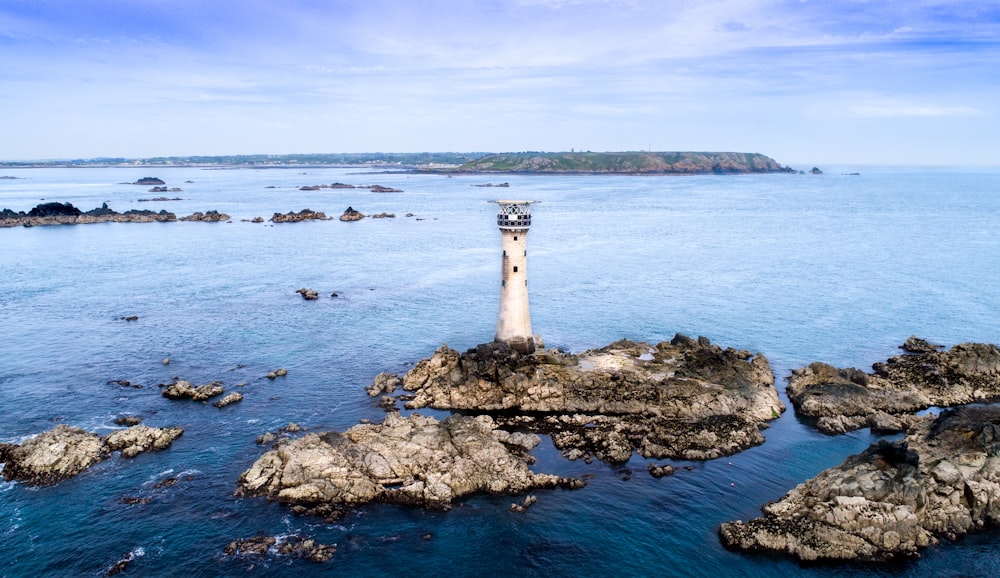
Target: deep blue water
column 803, row 268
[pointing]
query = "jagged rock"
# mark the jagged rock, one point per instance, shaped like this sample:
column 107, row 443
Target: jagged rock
column 257, row 220
column 137, row 439
column 229, row 399
column 351, row 215
column 849, row 399
column 384, row 216
column 182, row 389
column 892, row 500
column 277, row 373
column 381, row 189
column 208, row 217
column 384, row 383
column 915, row 344
column 282, row 545
column 524, row 505
column 303, row 215
column 412, row 460
column 687, row 399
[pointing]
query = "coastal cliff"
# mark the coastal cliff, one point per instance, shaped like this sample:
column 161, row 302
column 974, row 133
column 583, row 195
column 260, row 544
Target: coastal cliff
column 651, row 163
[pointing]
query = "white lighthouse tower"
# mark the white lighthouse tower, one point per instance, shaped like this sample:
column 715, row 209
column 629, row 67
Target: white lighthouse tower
column 514, row 320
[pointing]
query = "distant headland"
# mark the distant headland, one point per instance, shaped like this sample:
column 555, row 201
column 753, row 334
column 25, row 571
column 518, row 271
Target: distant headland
column 649, row 163
column 529, row 162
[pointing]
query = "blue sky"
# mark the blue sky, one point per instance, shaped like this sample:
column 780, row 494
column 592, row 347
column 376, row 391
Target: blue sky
column 806, row 82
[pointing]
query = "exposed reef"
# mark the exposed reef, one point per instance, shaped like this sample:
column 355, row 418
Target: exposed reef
column 303, row 215
column 67, row 214
column 886, row 399
column 412, row 460
column 296, row 546
column 683, row 399
column 895, row 498
column 66, row 451
column 207, row 217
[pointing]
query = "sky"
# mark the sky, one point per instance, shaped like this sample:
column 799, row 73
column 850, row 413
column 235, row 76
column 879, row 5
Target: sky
column 908, row 82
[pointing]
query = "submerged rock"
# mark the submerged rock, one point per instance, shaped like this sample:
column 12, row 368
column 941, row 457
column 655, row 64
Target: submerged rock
column 412, row 460
column 281, row 545
column 66, row 451
column 895, row 498
column 849, row 399
column 686, row 399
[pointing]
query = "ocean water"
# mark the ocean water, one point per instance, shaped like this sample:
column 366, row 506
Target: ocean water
column 802, row 268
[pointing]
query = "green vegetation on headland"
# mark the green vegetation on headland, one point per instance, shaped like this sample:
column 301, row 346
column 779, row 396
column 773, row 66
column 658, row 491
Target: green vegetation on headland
column 633, row 162
column 653, row 163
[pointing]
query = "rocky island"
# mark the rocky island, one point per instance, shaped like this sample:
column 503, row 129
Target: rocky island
column 683, row 399
column 886, row 399
column 940, row 481
column 646, row 163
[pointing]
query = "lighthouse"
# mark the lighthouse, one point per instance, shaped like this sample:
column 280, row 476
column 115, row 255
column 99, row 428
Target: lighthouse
column 514, row 320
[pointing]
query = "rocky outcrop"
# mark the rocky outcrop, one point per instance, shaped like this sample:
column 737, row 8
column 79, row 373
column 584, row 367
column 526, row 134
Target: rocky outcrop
column 66, row 451
column 67, row 214
column 381, row 189
column 848, row 399
column 941, row 481
column 208, row 217
column 149, row 181
column 140, row 438
column 303, row 215
column 351, row 215
column 183, row 389
column 684, row 399
column 412, row 460
column 308, row 294
column 229, row 399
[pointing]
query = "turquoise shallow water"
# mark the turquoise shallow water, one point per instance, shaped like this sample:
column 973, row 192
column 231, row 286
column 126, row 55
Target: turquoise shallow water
column 803, row 268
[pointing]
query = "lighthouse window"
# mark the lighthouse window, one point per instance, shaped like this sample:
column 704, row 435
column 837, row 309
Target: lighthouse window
column 515, row 237
column 515, row 268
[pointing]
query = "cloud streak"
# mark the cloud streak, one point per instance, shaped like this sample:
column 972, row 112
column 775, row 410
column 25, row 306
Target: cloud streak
column 497, row 75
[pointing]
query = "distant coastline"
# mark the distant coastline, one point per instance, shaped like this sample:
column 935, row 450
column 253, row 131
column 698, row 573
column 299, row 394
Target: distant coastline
column 591, row 163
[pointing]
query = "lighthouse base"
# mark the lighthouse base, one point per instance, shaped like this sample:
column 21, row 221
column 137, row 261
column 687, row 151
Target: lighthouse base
column 520, row 344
